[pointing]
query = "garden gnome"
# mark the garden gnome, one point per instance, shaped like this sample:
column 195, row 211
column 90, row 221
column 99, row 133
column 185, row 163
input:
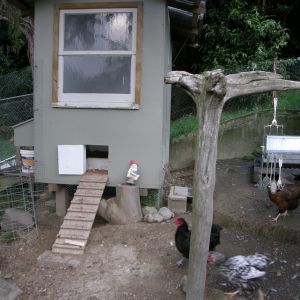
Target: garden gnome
column 133, row 173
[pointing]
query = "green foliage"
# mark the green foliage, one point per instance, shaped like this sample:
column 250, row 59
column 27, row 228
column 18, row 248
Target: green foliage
column 183, row 125
column 287, row 100
column 51, row 209
column 9, row 236
column 12, row 41
column 152, row 199
column 16, row 83
column 237, row 33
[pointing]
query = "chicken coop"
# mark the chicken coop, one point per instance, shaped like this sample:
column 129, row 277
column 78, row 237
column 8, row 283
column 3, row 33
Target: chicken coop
column 99, row 94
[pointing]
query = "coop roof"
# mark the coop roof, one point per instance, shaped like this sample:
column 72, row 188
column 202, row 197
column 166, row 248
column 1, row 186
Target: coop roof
column 186, row 18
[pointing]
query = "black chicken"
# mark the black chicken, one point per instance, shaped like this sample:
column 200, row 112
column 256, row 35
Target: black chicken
column 183, row 235
column 243, row 272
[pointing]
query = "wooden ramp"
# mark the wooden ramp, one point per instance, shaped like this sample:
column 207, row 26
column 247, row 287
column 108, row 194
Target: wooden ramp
column 75, row 230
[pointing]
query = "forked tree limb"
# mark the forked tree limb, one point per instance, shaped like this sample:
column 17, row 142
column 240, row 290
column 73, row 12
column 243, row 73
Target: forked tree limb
column 210, row 90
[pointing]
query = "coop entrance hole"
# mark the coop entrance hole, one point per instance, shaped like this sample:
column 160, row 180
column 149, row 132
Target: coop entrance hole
column 97, row 157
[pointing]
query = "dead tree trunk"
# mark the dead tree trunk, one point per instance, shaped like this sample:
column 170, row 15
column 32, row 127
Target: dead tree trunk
column 210, row 91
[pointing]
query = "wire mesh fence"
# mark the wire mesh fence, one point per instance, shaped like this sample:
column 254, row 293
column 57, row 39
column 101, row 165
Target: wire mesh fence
column 18, row 192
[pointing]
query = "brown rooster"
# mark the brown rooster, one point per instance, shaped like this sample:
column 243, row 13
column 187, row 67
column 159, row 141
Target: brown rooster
column 286, row 199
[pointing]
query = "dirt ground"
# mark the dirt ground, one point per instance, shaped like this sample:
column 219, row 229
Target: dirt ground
column 138, row 261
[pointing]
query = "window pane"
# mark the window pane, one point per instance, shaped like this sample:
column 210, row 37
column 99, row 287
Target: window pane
column 98, row 31
column 97, row 74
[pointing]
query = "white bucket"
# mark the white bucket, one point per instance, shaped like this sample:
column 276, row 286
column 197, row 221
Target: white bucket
column 27, row 157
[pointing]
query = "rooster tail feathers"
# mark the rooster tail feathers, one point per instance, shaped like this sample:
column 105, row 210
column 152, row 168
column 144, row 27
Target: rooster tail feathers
column 216, row 228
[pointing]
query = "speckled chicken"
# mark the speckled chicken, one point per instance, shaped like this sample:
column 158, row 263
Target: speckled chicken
column 241, row 271
column 285, row 199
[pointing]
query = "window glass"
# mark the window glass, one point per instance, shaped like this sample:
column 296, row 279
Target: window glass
column 98, row 31
column 108, row 74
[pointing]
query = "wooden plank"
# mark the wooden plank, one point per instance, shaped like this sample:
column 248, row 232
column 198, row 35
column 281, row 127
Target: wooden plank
column 67, row 251
column 70, row 224
column 73, row 234
column 80, row 216
column 85, row 5
column 96, row 174
column 69, row 243
column 86, row 200
column 139, row 46
column 89, row 192
column 91, row 185
column 82, row 208
column 84, row 215
column 94, row 178
column 55, row 55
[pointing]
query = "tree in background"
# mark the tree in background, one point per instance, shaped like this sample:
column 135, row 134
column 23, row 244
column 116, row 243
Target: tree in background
column 16, row 35
column 239, row 32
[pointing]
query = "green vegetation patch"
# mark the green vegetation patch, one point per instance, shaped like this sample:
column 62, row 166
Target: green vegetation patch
column 183, row 126
column 286, row 100
column 7, row 149
column 153, row 199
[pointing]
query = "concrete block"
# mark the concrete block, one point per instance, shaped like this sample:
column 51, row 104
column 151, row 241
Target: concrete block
column 177, row 199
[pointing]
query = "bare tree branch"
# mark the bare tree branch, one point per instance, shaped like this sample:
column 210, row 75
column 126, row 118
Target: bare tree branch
column 247, row 83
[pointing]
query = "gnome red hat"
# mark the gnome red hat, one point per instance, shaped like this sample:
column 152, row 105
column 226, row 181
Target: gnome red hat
column 133, row 162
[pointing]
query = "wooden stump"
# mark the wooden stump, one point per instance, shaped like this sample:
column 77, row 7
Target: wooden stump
column 125, row 208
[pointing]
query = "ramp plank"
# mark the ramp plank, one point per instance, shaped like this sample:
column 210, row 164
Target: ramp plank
column 76, row 227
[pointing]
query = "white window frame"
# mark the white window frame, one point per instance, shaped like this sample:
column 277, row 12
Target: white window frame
column 100, row 100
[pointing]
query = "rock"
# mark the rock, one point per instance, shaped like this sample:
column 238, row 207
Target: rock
column 153, row 218
column 148, row 210
column 166, row 213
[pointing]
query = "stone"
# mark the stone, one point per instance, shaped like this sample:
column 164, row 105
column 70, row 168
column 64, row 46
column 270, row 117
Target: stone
column 8, row 290
column 149, row 210
column 166, row 213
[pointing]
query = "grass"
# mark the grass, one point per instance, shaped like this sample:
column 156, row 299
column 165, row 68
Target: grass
column 9, row 236
column 187, row 124
column 184, row 125
column 7, row 149
column 152, row 199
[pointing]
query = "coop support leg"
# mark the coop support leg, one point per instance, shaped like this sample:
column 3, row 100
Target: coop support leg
column 62, row 200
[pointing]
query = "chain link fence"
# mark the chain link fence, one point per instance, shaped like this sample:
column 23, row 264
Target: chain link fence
column 16, row 106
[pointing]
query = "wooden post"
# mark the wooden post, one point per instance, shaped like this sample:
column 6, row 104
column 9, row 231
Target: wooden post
column 210, row 90
column 62, row 201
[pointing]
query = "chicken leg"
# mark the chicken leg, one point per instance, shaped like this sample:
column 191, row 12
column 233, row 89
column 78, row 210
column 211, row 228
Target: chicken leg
column 260, row 294
column 232, row 294
column 280, row 215
column 180, row 262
